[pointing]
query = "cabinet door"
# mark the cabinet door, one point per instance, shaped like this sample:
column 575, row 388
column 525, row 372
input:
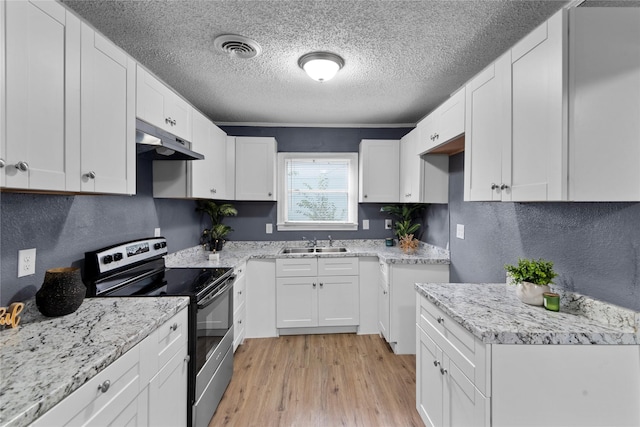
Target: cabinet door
column 338, row 301
column 150, row 99
column 108, row 159
column 488, row 132
column 42, row 43
column 202, row 170
column 429, row 381
column 179, row 115
column 168, row 391
column 296, row 302
column 539, row 114
column 463, row 404
column 219, row 164
column 410, row 169
column 379, row 171
column 451, row 118
column 255, row 168
column 425, row 129
column 383, row 308
column 605, row 104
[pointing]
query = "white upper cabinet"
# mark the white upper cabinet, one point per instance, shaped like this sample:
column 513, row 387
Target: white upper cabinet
column 562, row 123
column 604, row 94
column 201, row 179
column 158, row 105
column 41, row 69
column 379, row 171
column 488, row 132
column 443, row 124
column 539, row 114
column 108, row 154
column 423, row 179
column 256, row 168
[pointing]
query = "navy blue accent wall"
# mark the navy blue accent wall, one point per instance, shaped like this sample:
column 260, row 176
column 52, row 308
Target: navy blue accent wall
column 595, row 246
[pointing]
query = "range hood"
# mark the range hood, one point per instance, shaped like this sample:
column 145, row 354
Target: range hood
column 161, row 144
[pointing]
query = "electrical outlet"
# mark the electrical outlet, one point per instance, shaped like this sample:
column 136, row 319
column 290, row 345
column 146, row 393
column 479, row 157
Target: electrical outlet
column 365, row 224
column 26, row 262
column 388, row 224
column 156, row 232
column 460, row 231
column 269, row 229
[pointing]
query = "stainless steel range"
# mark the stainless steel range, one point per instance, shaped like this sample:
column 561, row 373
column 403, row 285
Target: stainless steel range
column 137, row 269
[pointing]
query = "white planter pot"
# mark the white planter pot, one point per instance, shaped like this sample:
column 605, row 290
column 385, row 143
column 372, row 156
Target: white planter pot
column 530, row 293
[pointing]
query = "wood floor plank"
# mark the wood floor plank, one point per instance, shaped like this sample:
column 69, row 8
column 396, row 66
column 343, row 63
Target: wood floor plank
column 319, row 381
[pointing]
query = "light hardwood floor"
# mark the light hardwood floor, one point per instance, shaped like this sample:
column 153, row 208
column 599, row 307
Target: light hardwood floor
column 319, row 380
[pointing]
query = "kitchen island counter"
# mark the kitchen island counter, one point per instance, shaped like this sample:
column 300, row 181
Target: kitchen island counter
column 45, row 359
column 493, row 313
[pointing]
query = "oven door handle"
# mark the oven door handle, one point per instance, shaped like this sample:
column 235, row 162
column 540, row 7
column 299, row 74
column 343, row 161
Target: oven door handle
column 225, row 288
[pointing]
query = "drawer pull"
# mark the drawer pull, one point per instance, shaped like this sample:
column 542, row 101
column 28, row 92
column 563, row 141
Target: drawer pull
column 440, row 319
column 187, row 358
column 174, row 327
column 436, row 363
column 443, row 371
column 104, row 386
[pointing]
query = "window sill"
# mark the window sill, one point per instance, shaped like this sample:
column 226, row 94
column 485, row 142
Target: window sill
column 317, row 227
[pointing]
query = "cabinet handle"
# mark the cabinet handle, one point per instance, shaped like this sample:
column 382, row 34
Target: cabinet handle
column 436, row 363
column 167, row 120
column 239, row 321
column 187, row 358
column 213, row 190
column 239, row 292
column 22, row 166
column 437, row 136
column 174, row 327
column 504, row 186
column 443, row 371
column 270, row 194
column 104, row 386
column 365, row 196
column 407, row 195
column 2, row 163
column 440, row 320
column 494, row 186
column 314, row 285
column 384, row 292
column 321, row 284
column 90, row 175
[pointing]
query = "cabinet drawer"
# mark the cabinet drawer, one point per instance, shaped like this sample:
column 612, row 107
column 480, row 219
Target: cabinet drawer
column 239, row 321
column 467, row 352
column 338, row 266
column 239, row 295
column 296, row 267
column 119, row 385
column 171, row 337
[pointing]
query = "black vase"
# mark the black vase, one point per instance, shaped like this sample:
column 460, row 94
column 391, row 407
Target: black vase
column 217, row 244
column 62, row 292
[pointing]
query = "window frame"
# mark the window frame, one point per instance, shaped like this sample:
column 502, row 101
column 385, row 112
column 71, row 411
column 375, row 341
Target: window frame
column 351, row 224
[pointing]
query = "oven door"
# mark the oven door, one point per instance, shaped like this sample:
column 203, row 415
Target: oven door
column 213, row 360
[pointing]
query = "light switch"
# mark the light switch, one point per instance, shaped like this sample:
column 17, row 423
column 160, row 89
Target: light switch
column 460, row 231
column 365, row 224
column 156, row 232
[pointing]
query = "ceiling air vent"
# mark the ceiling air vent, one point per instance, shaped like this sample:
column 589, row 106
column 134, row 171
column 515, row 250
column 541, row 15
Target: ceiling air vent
column 239, row 46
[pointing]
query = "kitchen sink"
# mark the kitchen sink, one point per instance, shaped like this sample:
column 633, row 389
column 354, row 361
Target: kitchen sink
column 318, row 250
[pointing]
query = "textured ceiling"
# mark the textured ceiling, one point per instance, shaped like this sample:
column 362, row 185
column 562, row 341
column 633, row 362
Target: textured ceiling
column 402, row 58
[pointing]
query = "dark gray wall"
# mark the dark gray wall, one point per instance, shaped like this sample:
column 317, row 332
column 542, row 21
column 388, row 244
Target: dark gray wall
column 595, row 246
column 62, row 228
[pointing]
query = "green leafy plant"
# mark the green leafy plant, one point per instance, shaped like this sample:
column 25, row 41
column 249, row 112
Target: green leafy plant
column 216, row 213
column 406, row 214
column 538, row 272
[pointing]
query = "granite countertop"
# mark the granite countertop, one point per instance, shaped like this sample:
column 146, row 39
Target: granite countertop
column 45, row 359
column 234, row 253
column 493, row 313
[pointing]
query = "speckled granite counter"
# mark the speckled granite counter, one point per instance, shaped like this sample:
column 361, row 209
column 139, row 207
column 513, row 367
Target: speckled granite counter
column 236, row 252
column 493, row 313
column 45, row 359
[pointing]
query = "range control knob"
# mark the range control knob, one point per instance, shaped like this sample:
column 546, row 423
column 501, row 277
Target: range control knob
column 108, row 259
column 163, row 244
column 157, row 246
column 117, row 256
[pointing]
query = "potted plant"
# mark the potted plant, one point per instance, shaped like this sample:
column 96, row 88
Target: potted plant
column 532, row 278
column 405, row 228
column 214, row 237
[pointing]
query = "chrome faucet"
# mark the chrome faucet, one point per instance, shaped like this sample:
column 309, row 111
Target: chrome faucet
column 330, row 241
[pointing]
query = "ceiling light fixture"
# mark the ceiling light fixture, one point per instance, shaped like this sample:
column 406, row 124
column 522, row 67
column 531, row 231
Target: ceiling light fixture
column 321, row 66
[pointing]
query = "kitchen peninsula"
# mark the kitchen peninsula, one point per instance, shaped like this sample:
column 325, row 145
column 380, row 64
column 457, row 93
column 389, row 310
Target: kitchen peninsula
column 485, row 358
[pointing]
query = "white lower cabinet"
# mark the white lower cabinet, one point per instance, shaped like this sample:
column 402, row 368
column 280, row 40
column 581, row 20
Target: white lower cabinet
column 239, row 305
column 461, row 381
column 147, row 386
column 397, row 301
column 317, row 292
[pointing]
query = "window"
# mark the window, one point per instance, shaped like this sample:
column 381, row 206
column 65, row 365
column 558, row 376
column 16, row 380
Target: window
column 317, row 191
